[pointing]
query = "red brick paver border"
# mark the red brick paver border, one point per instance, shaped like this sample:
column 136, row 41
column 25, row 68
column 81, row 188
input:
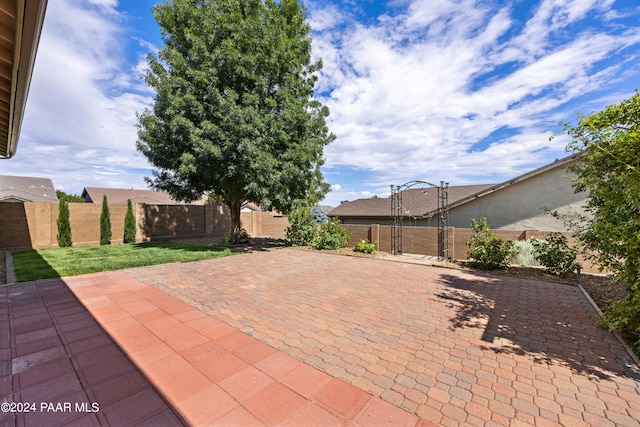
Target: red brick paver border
column 452, row 347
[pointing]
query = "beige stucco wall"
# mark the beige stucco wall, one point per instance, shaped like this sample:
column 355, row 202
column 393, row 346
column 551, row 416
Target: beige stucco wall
column 521, row 205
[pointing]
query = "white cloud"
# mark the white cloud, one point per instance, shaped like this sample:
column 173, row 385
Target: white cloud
column 427, row 93
column 458, row 90
column 81, row 114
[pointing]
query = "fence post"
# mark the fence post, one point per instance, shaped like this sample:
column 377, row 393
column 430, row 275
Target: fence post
column 374, row 235
column 208, row 219
column 452, row 243
column 141, row 222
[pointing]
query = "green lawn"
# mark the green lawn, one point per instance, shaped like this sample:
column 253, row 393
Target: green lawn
column 35, row 264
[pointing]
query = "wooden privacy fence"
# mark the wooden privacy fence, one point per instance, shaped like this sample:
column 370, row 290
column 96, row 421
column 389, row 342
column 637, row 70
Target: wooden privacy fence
column 34, row 224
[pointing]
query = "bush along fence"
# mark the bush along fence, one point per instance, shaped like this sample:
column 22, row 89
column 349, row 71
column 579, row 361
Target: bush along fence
column 424, row 240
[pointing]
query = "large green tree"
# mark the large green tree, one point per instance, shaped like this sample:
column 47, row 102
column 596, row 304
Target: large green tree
column 234, row 112
column 609, row 171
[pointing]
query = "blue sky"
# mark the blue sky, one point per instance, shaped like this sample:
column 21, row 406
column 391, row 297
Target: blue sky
column 457, row 90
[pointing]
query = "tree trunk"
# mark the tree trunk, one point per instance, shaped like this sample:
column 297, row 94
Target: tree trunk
column 236, row 225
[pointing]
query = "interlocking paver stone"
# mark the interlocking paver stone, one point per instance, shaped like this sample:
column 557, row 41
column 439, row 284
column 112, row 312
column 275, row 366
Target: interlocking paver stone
column 527, row 348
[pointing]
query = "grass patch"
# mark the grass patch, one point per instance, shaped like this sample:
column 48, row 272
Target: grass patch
column 36, row 264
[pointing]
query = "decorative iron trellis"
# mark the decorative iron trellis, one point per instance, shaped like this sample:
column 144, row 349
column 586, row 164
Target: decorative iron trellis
column 397, row 213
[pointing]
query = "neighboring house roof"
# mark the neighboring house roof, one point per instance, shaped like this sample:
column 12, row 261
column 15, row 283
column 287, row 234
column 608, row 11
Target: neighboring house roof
column 26, row 189
column 20, row 24
column 250, row 207
column 416, row 202
column 121, row 195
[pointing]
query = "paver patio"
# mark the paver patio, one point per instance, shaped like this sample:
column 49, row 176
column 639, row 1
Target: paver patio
column 452, row 347
column 305, row 338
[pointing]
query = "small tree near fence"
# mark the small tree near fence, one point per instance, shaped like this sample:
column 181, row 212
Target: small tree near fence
column 302, row 227
column 486, row 250
column 105, row 223
column 556, row 255
column 331, row 236
column 64, row 225
column 129, row 224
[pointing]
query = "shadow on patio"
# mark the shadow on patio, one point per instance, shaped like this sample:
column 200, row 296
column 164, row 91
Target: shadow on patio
column 537, row 319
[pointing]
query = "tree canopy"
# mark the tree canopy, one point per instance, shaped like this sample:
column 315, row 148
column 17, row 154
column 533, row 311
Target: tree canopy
column 609, row 170
column 234, row 112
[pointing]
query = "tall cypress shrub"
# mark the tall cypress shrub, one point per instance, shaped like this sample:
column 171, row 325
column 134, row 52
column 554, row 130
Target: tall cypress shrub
column 129, row 224
column 105, row 223
column 64, row 225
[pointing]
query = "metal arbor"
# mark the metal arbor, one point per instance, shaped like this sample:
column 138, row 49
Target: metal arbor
column 397, row 213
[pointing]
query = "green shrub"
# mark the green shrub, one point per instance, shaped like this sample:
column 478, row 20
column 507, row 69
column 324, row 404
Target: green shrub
column 64, row 226
column 623, row 315
column 331, row 236
column 556, row 255
column 105, row 223
column 129, row 224
column 486, row 250
column 365, row 247
column 302, row 229
column 525, row 253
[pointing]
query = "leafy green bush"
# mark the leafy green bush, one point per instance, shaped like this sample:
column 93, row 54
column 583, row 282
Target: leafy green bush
column 623, row 315
column 556, row 255
column 331, row 236
column 486, row 250
column 608, row 171
column 365, row 247
column 525, row 253
column 64, row 226
column 302, row 229
column 129, row 224
column 105, row 223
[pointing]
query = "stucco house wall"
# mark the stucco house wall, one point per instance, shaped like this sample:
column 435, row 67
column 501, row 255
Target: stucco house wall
column 521, row 205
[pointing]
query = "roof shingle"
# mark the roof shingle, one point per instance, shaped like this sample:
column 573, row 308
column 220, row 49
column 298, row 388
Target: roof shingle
column 27, row 189
column 121, row 195
column 416, row 202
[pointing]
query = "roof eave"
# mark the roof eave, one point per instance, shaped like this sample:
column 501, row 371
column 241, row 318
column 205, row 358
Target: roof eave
column 29, row 21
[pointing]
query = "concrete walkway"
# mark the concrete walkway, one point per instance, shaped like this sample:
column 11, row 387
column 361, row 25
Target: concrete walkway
column 287, row 337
